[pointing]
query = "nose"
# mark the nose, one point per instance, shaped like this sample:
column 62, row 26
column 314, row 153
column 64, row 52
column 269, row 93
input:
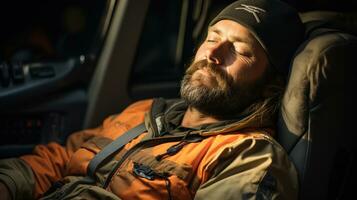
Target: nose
column 215, row 53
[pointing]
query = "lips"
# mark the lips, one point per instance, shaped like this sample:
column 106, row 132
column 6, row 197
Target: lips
column 208, row 74
column 204, row 76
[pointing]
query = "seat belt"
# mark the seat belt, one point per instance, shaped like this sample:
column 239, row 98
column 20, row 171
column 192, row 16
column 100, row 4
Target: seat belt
column 107, row 152
column 113, row 147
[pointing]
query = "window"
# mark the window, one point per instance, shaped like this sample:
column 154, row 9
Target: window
column 41, row 30
column 155, row 59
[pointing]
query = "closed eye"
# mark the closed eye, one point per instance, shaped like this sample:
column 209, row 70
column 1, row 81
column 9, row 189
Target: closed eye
column 211, row 41
column 241, row 51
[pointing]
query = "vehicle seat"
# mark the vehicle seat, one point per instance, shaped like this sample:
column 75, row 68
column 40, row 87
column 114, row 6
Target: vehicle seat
column 311, row 122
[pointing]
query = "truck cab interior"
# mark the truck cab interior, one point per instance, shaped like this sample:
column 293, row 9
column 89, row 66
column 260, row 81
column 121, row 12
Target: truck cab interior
column 67, row 65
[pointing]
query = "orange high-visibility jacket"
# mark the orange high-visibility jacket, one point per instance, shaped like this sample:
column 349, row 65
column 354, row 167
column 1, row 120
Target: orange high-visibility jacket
column 229, row 161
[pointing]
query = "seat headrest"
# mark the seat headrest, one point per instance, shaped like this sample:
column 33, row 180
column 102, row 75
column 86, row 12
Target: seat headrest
column 316, row 77
column 345, row 22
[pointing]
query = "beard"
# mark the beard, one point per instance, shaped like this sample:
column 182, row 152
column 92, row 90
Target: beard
column 217, row 94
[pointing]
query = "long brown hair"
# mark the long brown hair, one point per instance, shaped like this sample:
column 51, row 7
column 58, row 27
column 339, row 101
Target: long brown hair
column 264, row 111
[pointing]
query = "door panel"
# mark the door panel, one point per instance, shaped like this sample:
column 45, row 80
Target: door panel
column 46, row 105
column 47, row 58
column 50, row 119
column 30, row 81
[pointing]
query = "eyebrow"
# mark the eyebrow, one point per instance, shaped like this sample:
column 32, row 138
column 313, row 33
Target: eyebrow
column 233, row 37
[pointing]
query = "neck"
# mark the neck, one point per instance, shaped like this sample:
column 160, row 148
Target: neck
column 194, row 118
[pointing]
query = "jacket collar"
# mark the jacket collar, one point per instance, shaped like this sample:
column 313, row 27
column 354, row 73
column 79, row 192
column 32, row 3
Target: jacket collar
column 165, row 117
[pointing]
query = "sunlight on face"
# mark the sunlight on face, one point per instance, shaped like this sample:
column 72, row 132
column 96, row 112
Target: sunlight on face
column 235, row 50
column 228, row 71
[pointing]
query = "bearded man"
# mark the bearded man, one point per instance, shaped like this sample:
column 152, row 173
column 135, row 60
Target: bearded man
column 216, row 142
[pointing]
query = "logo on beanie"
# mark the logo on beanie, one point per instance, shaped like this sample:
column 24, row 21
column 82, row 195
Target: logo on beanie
column 251, row 9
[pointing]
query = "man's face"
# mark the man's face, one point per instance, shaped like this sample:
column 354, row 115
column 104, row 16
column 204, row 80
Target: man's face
column 228, row 71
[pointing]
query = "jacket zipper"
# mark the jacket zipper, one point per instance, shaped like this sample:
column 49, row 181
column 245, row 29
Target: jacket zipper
column 135, row 148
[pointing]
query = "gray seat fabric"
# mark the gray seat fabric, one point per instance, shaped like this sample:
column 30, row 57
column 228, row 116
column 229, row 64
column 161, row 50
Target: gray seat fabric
column 311, row 123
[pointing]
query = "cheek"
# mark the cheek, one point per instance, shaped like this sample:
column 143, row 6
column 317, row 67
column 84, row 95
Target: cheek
column 200, row 55
column 239, row 70
column 247, row 70
column 237, row 74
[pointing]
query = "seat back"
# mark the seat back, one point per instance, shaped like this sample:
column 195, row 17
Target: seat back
column 311, row 121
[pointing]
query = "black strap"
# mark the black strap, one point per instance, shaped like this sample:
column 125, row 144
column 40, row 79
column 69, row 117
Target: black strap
column 114, row 147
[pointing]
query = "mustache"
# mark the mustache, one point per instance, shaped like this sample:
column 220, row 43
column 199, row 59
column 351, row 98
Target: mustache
column 220, row 74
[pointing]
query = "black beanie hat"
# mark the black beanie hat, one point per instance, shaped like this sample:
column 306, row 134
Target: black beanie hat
column 275, row 24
